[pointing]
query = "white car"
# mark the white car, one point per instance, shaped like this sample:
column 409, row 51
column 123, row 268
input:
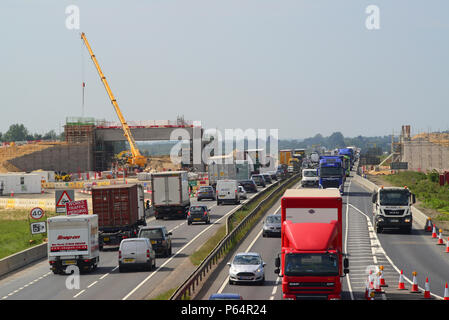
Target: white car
column 247, row 267
column 227, row 191
column 136, row 252
column 242, row 193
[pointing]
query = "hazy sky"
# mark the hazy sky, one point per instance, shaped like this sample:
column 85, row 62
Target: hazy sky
column 303, row 67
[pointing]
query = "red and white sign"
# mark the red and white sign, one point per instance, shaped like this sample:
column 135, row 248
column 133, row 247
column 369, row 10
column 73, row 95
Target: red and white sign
column 63, row 200
column 77, row 207
column 36, row 213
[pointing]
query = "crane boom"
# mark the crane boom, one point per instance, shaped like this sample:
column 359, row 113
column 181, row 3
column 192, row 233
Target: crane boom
column 137, row 158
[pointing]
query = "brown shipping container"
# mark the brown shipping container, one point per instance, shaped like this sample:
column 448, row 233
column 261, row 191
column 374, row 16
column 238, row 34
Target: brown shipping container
column 116, row 206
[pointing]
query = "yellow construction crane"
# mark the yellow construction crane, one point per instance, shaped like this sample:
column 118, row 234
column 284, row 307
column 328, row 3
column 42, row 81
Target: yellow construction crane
column 137, row 158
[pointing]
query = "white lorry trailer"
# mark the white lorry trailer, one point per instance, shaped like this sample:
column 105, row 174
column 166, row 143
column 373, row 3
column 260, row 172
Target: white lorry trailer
column 170, row 195
column 73, row 241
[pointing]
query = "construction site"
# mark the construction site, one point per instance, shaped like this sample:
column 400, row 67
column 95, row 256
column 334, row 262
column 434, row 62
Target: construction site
column 422, row 152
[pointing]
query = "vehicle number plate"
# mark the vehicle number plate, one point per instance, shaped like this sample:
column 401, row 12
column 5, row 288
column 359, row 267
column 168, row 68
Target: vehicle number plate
column 394, row 220
column 68, row 262
column 128, row 260
column 106, row 239
column 246, row 278
column 153, row 241
column 197, row 219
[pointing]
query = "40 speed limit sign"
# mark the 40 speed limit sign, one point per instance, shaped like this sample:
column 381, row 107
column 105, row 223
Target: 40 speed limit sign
column 36, row 213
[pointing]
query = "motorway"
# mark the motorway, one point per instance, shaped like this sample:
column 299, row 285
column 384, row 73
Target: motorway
column 410, row 252
column 393, row 250
column 36, row 281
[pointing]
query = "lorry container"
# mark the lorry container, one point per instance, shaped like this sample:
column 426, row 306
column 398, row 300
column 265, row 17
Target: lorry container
column 392, row 209
column 238, row 170
column 311, row 261
column 120, row 210
column 73, row 241
column 170, row 196
column 285, row 156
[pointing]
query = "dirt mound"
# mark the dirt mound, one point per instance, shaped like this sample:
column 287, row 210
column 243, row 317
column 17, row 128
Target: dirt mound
column 161, row 163
column 10, row 152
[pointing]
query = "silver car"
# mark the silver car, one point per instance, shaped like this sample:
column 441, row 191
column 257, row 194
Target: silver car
column 272, row 225
column 242, row 193
column 247, row 267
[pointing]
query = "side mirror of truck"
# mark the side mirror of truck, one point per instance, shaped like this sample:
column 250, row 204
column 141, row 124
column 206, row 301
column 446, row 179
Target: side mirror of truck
column 277, row 271
column 277, row 262
column 374, row 198
column 346, row 263
column 346, row 271
column 413, row 198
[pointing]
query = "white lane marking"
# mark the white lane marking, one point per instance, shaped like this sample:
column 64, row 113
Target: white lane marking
column 346, row 239
column 26, row 285
column 388, row 258
column 178, row 252
column 79, row 293
column 92, row 284
column 104, row 276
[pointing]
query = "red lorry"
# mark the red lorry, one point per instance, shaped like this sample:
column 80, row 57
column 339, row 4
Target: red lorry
column 312, row 262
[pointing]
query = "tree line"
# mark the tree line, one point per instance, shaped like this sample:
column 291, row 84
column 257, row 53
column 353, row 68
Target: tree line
column 18, row 132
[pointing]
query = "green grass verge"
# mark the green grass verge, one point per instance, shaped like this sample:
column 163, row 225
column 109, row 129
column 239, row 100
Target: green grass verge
column 15, row 233
column 427, row 190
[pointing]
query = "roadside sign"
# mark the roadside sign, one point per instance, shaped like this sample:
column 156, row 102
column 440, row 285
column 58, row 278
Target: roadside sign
column 399, row 165
column 61, row 198
column 38, row 227
column 36, row 213
column 77, row 207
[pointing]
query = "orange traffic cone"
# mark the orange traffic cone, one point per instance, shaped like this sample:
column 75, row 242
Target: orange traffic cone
column 415, row 283
column 427, row 289
column 382, row 280
column 447, row 246
column 440, row 238
column 401, row 285
column 428, row 227
column 434, row 232
column 446, row 293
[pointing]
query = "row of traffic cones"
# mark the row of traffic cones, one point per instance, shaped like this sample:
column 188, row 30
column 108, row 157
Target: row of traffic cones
column 415, row 289
column 376, row 281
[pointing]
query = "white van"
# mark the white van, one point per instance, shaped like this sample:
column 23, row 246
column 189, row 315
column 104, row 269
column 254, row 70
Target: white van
column 228, row 191
column 136, row 252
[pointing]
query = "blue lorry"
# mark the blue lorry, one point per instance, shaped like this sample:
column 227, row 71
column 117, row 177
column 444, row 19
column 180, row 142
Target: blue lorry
column 347, row 152
column 331, row 172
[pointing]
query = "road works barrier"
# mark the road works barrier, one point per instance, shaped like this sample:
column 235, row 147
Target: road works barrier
column 22, row 258
column 197, row 278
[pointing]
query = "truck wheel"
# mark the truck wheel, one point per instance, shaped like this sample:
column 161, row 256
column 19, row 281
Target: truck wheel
column 121, row 269
column 378, row 230
column 154, row 264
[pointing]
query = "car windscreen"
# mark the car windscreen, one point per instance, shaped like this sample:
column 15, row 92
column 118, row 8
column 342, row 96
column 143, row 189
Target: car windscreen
column 274, row 219
column 151, row 233
column 310, row 173
column 246, row 260
column 311, row 264
column 197, row 209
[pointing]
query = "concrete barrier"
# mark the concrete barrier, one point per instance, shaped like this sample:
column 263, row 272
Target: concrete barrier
column 22, row 258
column 418, row 217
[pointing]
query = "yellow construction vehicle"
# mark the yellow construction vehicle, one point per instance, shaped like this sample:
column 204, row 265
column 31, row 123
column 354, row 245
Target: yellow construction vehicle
column 137, row 159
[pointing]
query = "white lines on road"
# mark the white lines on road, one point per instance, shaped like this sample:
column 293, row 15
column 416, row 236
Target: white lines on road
column 92, row 284
column 26, row 285
column 79, row 293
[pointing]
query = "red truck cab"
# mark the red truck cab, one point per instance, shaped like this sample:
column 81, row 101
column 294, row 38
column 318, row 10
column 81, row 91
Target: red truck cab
column 312, row 262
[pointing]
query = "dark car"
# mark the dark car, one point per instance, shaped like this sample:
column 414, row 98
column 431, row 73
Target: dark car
column 272, row 225
column 267, row 178
column 274, row 175
column 259, row 180
column 159, row 237
column 249, row 185
column 198, row 214
column 206, row 192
